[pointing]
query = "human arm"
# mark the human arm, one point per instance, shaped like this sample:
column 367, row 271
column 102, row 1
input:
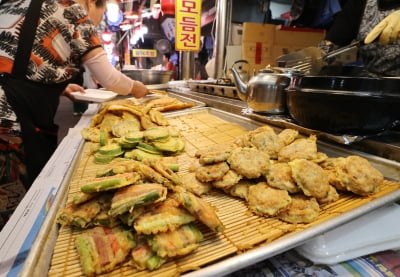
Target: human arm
column 109, row 77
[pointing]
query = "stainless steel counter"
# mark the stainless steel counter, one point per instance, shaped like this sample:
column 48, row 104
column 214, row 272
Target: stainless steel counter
column 385, row 145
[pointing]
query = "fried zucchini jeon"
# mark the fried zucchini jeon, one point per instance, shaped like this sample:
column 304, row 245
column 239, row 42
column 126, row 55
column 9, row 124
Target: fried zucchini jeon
column 280, row 177
column 127, row 198
column 264, row 200
column 301, row 148
column 162, row 217
column 143, row 257
column 311, row 178
column 212, row 172
column 249, row 162
column 192, row 184
column 200, row 209
column 110, row 182
column 302, row 209
column 241, row 189
column 179, row 242
column 101, row 249
column 91, row 213
column 354, row 174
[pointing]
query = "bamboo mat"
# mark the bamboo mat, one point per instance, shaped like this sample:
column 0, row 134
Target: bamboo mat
column 243, row 230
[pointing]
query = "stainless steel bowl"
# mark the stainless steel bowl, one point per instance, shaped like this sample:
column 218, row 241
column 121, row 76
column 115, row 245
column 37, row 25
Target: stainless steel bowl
column 149, row 76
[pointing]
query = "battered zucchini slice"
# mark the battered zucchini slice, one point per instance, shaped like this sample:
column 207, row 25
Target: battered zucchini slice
column 112, row 149
column 125, row 127
column 134, row 137
column 179, row 242
column 128, row 198
column 148, row 148
column 173, row 145
column 110, row 182
column 101, row 249
column 143, row 257
column 165, row 216
column 199, row 208
column 90, row 213
column 156, row 134
column 140, row 155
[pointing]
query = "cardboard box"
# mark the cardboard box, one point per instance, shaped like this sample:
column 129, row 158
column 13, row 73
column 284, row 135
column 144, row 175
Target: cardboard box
column 263, row 43
column 255, row 32
column 298, row 36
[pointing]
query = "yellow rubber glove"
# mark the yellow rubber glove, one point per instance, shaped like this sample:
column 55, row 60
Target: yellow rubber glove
column 388, row 30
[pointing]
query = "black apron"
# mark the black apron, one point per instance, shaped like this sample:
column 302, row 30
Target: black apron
column 34, row 104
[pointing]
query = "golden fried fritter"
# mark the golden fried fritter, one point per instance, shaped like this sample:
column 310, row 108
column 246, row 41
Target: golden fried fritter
column 332, row 196
column 249, row 162
column 302, row 209
column 192, row 184
column 241, row 189
column 214, row 153
column 288, row 135
column 280, row 176
column 310, row 177
column 264, row 200
column 230, row 179
column 302, row 148
column 266, row 140
column 212, row 172
column 357, row 175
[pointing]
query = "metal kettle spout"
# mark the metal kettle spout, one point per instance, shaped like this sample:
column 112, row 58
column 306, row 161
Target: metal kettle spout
column 240, row 84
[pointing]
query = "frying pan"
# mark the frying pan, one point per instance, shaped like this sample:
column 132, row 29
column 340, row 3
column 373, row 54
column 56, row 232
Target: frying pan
column 345, row 105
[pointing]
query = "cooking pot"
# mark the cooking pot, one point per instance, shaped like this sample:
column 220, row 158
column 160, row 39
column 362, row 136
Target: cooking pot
column 149, row 76
column 265, row 92
column 345, row 105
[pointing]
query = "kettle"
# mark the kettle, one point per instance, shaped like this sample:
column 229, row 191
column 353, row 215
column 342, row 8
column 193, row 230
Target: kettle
column 265, row 92
column 243, row 74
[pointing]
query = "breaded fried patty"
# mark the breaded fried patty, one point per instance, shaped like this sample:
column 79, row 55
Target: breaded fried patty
column 359, row 176
column 266, row 140
column 280, row 176
column 212, row 172
column 310, row 177
column 302, row 209
column 287, row 136
column 230, row 179
column 264, row 200
column 249, row 162
column 192, row 184
column 302, row 148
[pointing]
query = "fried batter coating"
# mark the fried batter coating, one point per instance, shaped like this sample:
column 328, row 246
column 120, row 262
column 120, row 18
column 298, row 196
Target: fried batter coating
column 162, row 217
column 214, row 153
column 331, row 197
column 310, row 177
column 288, row 135
column 212, row 172
column 241, row 189
column 357, row 175
column 264, row 200
column 230, row 179
column 302, row 148
column 249, row 162
column 192, row 184
column 280, row 177
column 330, row 165
column 266, row 140
column 302, row 209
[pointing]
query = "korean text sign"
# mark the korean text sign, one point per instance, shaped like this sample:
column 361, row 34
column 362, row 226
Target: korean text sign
column 187, row 25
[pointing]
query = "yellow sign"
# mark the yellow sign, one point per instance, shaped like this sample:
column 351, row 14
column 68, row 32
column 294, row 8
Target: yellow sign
column 187, row 25
column 148, row 53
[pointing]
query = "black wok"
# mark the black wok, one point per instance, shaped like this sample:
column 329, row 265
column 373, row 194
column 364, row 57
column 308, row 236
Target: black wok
column 345, row 105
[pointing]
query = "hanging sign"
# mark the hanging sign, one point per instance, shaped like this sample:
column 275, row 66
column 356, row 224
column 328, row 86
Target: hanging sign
column 148, row 53
column 187, row 25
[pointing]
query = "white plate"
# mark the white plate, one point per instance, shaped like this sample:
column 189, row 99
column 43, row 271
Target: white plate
column 370, row 233
column 94, row 95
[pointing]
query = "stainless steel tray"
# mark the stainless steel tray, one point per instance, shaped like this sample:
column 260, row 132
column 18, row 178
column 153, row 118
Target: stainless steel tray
column 38, row 261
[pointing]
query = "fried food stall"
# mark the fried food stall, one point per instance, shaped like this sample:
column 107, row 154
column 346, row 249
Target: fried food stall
column 247, row 237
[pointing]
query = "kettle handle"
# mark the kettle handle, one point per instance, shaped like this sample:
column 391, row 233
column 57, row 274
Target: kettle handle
column 239, row 61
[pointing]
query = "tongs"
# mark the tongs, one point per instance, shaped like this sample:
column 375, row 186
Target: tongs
column 341, row 50
column 310, row 60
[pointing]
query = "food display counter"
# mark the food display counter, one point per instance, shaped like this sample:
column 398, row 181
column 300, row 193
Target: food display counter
column 28, row 242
